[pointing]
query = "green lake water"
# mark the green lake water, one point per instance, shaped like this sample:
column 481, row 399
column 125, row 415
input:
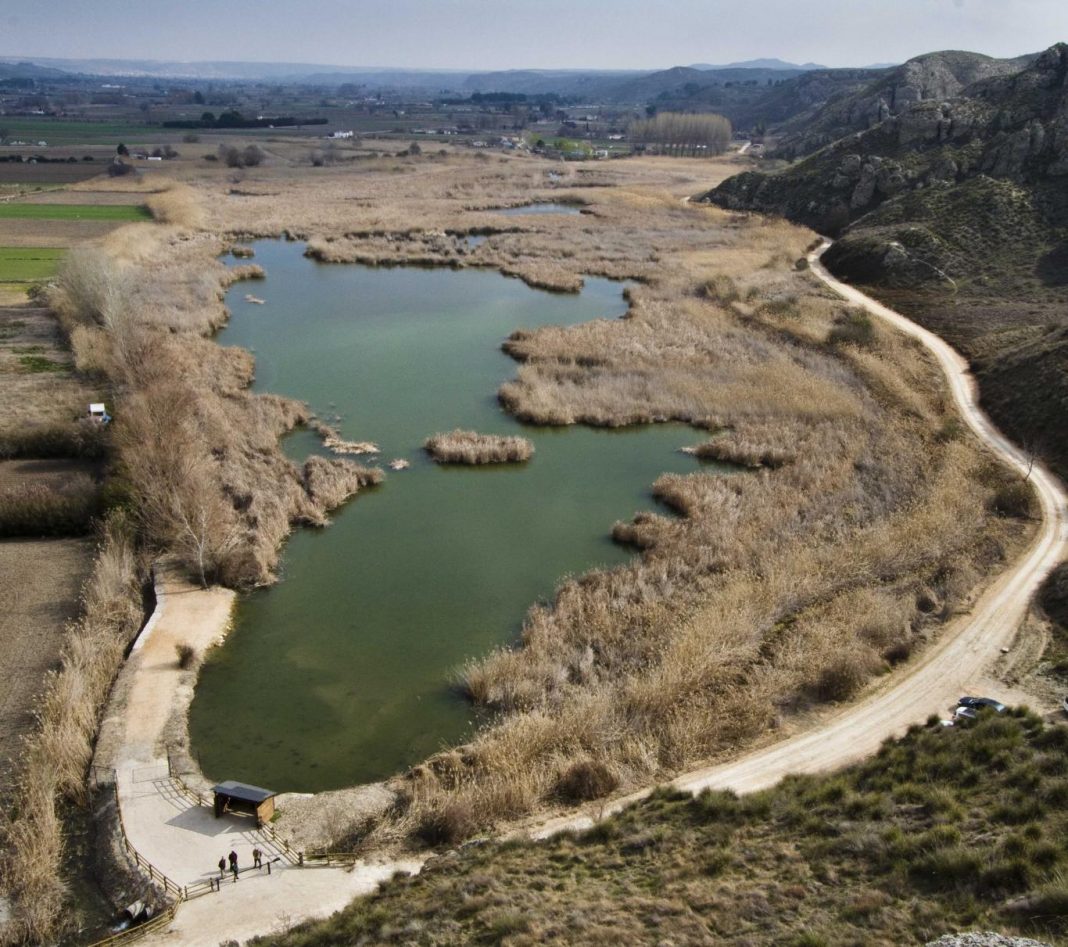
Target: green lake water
column 344, row 672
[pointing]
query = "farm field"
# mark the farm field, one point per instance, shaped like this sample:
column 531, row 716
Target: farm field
column 22, row 264
column 121, row 212
column 35, row 174
column 39, row 596
column 31, row 398
column 63, row 132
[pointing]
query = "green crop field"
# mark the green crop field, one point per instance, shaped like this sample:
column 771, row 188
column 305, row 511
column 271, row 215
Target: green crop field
column 14, row 211
column 60, row 132
column 19, row 264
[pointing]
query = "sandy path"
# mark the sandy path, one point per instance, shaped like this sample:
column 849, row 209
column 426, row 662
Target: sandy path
column 956, row 664
column 187, row 839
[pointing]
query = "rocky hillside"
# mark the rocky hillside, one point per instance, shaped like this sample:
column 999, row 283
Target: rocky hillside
column 936, row 77
column 956, row 211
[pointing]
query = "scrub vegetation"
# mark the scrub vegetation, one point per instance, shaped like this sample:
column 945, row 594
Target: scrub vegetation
column 944, row 830
column 469, row 447
column 55, row 756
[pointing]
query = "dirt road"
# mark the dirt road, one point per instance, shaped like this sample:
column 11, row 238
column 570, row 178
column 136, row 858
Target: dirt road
column 953, row 666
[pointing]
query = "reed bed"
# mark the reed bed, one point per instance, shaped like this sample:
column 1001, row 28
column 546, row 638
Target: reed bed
column 470, row 447
column 36, row 509
column 775, row 589
column 56, row 757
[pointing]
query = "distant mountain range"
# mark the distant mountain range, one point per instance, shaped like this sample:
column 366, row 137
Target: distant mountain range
column 762, row 64
column 561, row 81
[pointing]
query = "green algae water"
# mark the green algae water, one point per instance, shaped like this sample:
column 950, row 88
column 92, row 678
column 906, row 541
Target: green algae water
column 344, row 672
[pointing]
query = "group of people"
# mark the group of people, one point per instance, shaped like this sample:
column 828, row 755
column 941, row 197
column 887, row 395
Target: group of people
column 257, row 862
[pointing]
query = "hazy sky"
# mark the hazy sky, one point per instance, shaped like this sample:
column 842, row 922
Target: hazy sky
column 500, row 34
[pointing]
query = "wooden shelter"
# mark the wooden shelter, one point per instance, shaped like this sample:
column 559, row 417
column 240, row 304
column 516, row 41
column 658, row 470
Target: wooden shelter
column 232, row 796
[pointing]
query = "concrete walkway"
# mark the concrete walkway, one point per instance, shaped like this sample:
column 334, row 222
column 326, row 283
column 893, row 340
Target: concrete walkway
column 185, row 841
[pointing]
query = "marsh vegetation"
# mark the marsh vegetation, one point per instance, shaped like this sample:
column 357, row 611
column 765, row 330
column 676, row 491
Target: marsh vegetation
column 943, row 831
column 470, row 447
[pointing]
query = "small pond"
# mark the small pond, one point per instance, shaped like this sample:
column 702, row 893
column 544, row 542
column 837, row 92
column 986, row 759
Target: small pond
column 527, row 209
column 344, row 671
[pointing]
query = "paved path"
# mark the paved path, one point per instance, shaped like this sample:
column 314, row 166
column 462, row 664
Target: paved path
column 186, row 841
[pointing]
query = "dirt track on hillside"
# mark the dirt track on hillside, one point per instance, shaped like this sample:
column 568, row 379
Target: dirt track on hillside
column 966, row 649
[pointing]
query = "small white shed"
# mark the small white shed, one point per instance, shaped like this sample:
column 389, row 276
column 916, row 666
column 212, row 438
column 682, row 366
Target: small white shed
column 98, row 413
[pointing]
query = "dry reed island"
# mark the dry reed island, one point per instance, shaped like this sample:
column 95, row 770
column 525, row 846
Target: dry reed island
column 862, row 516
column 470, row 447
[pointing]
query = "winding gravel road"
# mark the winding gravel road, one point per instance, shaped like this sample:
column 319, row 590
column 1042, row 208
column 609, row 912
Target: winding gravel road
column 952, row 666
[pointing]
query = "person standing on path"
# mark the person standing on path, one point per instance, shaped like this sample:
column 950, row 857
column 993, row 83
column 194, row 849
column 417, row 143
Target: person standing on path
column 257, row 858
column 222, row 866
column 233, row 860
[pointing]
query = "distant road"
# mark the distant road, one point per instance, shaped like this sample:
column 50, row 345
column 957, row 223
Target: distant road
column 949, row 668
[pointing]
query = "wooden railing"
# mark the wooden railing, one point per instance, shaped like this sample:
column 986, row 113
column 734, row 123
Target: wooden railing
column 178, row 894
column 289, row 854
column 131, row 934
column 329, row 859
column 197, row 798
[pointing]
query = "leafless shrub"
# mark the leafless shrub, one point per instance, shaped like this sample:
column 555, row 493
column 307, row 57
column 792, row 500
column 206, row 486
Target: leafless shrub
column 186, row 655
column 248, row 157
column 447, row 824
column 585, row 780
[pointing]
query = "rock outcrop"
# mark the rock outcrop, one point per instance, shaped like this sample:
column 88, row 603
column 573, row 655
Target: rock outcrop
column 955, row 208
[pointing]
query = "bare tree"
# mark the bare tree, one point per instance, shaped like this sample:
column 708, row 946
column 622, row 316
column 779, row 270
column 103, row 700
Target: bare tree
column 181, row 504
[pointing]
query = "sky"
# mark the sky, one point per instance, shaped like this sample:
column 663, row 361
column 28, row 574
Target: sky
column 506, row 34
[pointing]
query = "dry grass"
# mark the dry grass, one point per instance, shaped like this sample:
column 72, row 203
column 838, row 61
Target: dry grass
column 56, row 757
column 36, row 406
column 943, row 830
column 470, row 447
column 39, row 509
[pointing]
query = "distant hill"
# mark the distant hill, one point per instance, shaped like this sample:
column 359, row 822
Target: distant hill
column 762, row 64
column 936, row 76
column 954, row 207
column 28, row 70
column 770, row 102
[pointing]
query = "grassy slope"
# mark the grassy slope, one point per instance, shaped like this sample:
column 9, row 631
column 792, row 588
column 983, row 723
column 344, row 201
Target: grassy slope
column 73, row 212
column 942, row 831
column 1007, row 310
